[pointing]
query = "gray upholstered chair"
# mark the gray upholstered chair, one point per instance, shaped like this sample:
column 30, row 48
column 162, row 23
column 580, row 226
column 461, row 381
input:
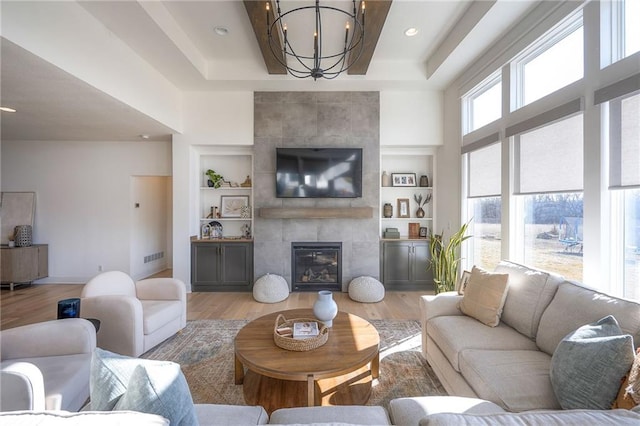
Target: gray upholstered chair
column 46, row 365
column 134, row 316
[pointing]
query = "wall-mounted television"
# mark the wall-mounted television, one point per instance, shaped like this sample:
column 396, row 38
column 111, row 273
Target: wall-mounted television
column 318, row 172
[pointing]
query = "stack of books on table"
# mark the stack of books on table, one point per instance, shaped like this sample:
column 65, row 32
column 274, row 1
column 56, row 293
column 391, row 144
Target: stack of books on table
column 304, row 330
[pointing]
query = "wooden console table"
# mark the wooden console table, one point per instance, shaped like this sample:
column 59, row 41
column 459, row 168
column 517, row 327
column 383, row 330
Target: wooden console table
column 23, row 265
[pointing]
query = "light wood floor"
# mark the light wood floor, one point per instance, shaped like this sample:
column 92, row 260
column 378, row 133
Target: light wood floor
column 36, row 303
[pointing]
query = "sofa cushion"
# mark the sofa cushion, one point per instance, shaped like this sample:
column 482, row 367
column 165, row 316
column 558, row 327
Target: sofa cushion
column 454, row 334
column 237, row 415
column 530, row 292
column 111, row 374
column 589, row 364
column 546, row 418
column 83, row 418
column 575, row 305
column 409, row 410
column 484, row 296
column 157, row 313
column 514, row 379
column 350, row 414
column 162, row 389
column 629, row 392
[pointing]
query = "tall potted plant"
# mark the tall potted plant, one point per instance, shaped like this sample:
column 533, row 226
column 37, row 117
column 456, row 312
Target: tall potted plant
column 445, row 258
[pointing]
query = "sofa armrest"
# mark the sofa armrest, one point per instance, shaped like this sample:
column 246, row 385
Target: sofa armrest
column 443, row 304
column 161, row 289
column 21, row 387
column 121, row 323
column 50, row 338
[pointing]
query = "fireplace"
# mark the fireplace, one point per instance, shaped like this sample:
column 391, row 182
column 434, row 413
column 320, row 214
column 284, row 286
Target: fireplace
column 316, row 266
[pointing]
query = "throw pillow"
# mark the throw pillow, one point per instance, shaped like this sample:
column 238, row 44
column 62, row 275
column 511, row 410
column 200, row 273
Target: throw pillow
column 629, row 393
column 160, row 389
column 112, row 374
column 484, row 296
column 589, row 364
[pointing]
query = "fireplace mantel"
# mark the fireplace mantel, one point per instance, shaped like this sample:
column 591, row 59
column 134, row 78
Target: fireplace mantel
column 316, row 212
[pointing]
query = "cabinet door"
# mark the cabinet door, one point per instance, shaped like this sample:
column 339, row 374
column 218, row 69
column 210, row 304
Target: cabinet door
column 420, row 275
column 43, row 261
column 205, row 265
column 237, row 265
column 19, row 265
column 396, row 263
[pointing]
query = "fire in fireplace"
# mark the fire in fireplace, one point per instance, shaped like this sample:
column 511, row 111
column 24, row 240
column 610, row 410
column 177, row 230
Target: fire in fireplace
column 316, row 266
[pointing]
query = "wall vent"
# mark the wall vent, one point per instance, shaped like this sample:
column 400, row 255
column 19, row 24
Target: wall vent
column 154, row 256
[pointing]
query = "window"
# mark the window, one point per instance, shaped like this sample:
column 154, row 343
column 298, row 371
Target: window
column 484, row 206
column 483, row 104
column 620, row 36
column 624, row 169
column 537, row 71
column 631, row 27
column 549, row 208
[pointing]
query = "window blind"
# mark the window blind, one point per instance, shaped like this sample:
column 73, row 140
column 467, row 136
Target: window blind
column 550, row 158
column 485, row 171
column 624, row 142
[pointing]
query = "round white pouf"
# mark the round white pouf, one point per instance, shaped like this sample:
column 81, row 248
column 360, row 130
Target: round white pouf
column 270, row 288
column 366, row 290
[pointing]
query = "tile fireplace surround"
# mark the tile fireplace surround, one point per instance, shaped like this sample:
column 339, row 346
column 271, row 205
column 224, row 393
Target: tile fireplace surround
column 320, row 120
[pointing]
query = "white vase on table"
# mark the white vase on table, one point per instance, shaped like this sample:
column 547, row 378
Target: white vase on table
column 325, row 308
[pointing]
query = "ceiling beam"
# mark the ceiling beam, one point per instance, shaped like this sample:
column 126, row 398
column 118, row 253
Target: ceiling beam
column 459, row 31
column 375, row 15
column 257, row 13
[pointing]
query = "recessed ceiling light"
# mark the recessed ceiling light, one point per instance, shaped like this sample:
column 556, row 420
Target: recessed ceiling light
column 7, row 109
column 144, row 137
column 221, row 31
column 410, row 32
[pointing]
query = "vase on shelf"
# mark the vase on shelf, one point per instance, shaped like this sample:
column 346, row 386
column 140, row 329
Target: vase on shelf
column 424, row 180
column 387, row 210
column 386, row 179
column 325, row 308
column 420, row 212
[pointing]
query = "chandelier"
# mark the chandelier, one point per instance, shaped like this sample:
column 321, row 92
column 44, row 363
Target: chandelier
column 309, row 59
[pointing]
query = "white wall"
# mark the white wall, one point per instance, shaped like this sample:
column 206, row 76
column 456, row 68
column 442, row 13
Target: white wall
column 83, row 201
column 411, row 118
column 150, row 225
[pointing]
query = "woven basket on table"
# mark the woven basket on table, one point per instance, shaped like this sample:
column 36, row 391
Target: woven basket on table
column 292, row 344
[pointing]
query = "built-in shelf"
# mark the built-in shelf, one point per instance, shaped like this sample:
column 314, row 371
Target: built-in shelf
column 316, row 213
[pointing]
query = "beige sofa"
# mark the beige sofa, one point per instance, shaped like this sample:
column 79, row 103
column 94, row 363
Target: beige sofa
column 46, row 365
column 509, row 364
column 134, row 316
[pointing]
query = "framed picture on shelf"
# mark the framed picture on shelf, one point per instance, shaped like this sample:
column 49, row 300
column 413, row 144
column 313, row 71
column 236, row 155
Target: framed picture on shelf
column 424, row 231
column 403, row 179
column 233, row 205
column 403, row 207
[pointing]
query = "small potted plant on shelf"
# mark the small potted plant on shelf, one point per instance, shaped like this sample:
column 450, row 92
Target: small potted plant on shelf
column 215, row 179
column 444, row 258
column 418, row 199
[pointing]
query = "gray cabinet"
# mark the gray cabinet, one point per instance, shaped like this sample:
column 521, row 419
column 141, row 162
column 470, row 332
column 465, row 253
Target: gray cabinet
column 404, row 265
column 221, row 266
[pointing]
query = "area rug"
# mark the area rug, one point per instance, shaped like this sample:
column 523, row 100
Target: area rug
column 204, row 350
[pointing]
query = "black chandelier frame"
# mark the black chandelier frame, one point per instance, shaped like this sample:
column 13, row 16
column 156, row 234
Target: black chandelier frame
column 329, row 66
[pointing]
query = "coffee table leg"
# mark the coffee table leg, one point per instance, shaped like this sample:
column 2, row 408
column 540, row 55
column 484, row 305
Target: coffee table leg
column 375, row 366
column 310, row 391
column 239, row 371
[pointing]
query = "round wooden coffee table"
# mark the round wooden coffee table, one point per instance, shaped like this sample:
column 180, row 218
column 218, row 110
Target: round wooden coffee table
column 339, row 372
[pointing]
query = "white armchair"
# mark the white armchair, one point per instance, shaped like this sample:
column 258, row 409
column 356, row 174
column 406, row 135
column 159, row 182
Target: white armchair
column 46, row 365
column 134, row 317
